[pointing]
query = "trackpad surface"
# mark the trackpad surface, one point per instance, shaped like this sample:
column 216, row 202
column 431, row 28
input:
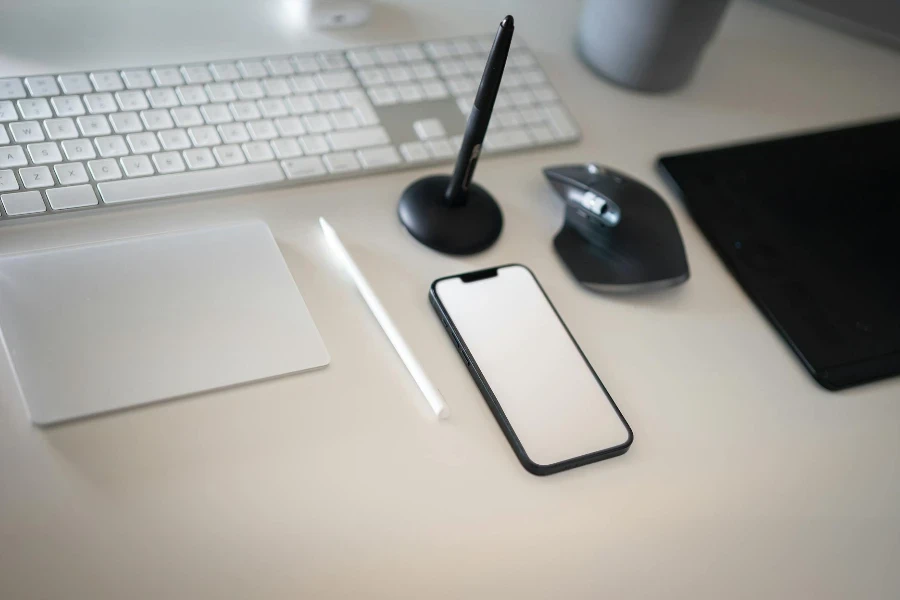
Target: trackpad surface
column 105, row 326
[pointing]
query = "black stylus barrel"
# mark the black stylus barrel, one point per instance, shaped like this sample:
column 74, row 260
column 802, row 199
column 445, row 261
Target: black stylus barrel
column 480, row 116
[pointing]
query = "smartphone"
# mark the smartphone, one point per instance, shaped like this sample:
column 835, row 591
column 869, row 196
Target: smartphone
column 542, row 390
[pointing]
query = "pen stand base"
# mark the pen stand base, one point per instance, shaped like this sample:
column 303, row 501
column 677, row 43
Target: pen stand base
column 466, row 229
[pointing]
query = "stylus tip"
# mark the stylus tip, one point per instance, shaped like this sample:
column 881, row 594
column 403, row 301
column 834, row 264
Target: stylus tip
column 507, row 22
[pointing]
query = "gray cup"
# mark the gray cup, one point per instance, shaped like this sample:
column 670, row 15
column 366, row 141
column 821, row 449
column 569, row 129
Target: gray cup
column 648, row 45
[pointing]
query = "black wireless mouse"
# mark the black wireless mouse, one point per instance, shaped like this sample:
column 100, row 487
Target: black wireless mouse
column 619, row 235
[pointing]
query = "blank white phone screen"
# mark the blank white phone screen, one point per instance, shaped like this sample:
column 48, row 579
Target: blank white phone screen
column 546, row 389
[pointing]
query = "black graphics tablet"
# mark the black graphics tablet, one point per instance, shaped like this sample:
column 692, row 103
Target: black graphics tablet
column 810, row 227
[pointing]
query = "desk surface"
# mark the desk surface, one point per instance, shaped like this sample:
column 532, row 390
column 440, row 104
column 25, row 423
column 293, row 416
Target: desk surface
column 745, row 480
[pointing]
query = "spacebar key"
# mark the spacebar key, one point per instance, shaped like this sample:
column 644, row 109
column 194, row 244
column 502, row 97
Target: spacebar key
column 197, row 182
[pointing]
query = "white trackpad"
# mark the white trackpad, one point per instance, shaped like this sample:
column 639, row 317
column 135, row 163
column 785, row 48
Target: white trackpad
column 106, row 326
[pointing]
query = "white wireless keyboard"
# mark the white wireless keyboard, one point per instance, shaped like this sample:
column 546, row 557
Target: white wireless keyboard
column 85, row 140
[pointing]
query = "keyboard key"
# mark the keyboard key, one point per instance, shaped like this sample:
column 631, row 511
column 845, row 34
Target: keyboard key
column 258, row 151
column 410, row 92
column 196, row 74
column 229, row 155
column 34, row 108
column 303, row 84
column 262, row 129
column 136, row 79
column 244, row 111
column 414, row 152
column 316, row 123
column 4, row 138
column 424, row 70
column 106, row 81
column 336, row 80
column 358, row 138
column 26, row 131
column 560, row 122
column 374, row 76
column 70, row 174
column 399, row 74
column 252, row 69
column 12, row 156
column 341, row 162
column 544, row 93
column 541, row 134
column 428, row 129
column 384, row 95
column 451, row 67
column 191, row 94
column 384, row 156
column 67, row 106
column 277, row 86
column 333, row 60
column 387, row 55
column 522, row 97
column 224, row 71
column 305, row 64
column 168, row 162
column 214, row 114
column 143, row 143
column 8, row 181
column 434, row 90
column 22, row 203
column 100, row 103
column 359, row 102
column 327, row 101
column 343, row 119
column 111, row 145
column 162, row 186
column 234, row 133
column 360, row 58
column 174, row 139
column 136, row 166
column 187, row 116
column 8, row 111
column 286, row 148
column 507, row 139
column 204, row 136
column 439, row 148
column 36, row 177
column 220, row 92
column 157, row 119
column 75, row 83
column 272, row 107
column 248, row 90
column 163, row 97
column 60, row 129
column 72, row 197
column 314, row 144
column 460, row 85
column 289, row 126
column 199, row 158
column 279, row 66
column 92, row 126
column 412, row 52
column 47, row 152
column 125, row 122
column 301, row 105
column 11, row 88
column 167, row 76
column 80, row 149
column 132, row 100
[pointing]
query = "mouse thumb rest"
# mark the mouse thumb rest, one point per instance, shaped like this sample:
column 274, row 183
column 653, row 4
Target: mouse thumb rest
column 572, row 184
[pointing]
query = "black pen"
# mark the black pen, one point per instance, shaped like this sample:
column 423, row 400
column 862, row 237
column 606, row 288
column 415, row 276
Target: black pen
column 480, row 116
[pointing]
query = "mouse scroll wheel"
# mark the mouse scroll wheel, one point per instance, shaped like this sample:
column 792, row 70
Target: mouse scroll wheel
column 603, row 208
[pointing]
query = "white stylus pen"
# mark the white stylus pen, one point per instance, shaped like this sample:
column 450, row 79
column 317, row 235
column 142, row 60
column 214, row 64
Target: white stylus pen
column 430, row 392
